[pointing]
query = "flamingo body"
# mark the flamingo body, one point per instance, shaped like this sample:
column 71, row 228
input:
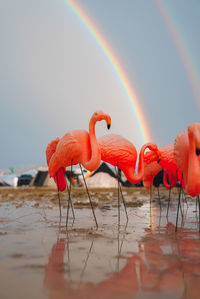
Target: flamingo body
column 79, row 146
column 72, row 148
column 117, row 150
column 120, row 152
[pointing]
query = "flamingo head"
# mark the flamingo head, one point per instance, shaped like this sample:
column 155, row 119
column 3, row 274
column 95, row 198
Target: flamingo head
column 194, row 135
column 153, row 147
column 100, row 115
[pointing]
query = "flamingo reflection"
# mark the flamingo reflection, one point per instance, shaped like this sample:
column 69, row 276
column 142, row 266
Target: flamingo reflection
column 163, row 265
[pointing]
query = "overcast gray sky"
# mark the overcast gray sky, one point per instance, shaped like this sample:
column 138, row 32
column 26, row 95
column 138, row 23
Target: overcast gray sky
column 53, row 74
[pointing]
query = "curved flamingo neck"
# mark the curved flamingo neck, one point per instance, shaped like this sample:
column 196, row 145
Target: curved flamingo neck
column 130, row 171
column 95, row 159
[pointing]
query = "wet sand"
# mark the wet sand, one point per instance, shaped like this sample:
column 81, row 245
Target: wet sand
column 143, row 258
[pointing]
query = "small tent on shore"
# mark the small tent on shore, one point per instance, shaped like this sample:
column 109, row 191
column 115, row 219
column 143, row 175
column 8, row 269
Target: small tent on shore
column 106, row 177
column 42, row 179
column 110, row 172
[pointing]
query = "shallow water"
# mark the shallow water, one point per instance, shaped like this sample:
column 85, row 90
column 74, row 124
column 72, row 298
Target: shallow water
column 143, row 258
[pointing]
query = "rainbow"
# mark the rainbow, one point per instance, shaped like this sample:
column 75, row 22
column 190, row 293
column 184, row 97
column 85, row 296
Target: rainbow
column 133, row 100
column 181, row 47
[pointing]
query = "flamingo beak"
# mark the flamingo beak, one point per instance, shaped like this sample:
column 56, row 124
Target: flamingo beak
column 197, row 151
column 108, row 120
column 197, row 148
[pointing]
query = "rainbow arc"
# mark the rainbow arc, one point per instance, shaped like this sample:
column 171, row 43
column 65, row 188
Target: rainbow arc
column 182, row 50
column 123, row 79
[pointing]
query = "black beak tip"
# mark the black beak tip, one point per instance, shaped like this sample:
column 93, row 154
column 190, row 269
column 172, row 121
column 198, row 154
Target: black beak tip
column 197, row 151
column 108, row 126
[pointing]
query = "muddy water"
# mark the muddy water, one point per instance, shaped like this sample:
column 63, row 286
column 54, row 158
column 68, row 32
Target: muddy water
column 143, row 258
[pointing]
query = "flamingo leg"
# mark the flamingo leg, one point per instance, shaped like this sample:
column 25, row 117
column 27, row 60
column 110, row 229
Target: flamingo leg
column 169, row 195
column 69, row 199
column 88, row 196
column 179, row 191
column 123, row 201
column 159, row 198
column 169, row 202
column 179, row 203
column 196, row 203
column 151, row 191
column 118, row 195
column 58, row 196
column 70, row 193
column 199, row 211
column 120, row 192
column 181, row 209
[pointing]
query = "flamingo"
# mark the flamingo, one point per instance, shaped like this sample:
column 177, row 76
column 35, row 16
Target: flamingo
column 187, row 157
column 79, row 147
column 167, row 163
column 120, row 152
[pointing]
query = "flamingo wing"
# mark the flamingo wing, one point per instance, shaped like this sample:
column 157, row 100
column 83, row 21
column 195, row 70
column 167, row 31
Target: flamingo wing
column 51, row 148
column 117, row 150
column 59, row 178
column 73, row 147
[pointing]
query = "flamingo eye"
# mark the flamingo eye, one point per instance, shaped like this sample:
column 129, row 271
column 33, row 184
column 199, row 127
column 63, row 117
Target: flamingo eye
column 197, row 151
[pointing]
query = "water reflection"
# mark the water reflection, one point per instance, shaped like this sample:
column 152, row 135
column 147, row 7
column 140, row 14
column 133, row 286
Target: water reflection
column 167, row 264
column 144, row 259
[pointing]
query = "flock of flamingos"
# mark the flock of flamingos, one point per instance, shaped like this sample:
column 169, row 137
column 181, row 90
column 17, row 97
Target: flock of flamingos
column 180, row 161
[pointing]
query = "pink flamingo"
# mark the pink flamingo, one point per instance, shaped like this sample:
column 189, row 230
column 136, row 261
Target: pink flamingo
column 187, row 158
column 79, row 147
column 166, row 162
column 120, row 152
